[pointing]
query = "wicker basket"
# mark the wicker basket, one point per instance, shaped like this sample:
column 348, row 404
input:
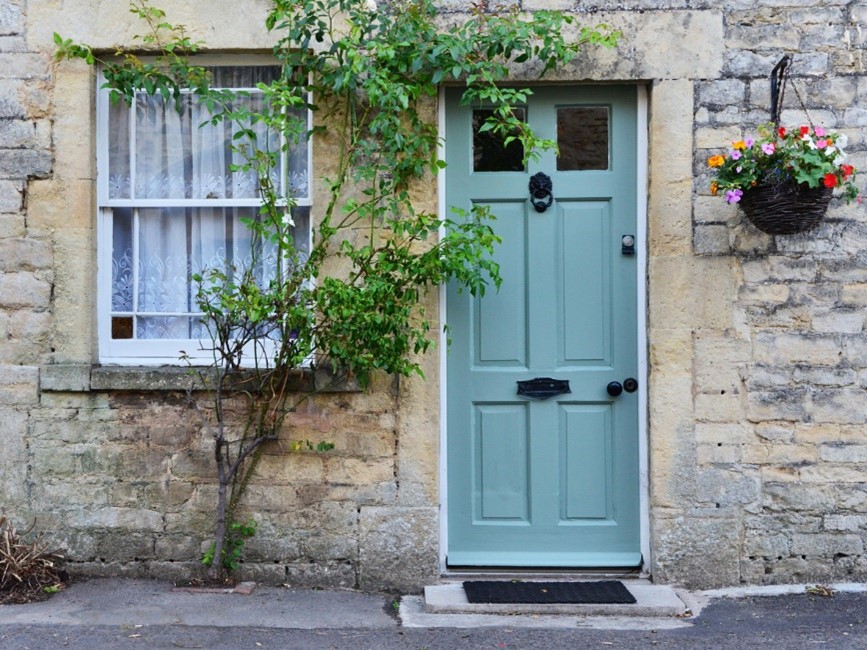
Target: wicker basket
column 786, row 208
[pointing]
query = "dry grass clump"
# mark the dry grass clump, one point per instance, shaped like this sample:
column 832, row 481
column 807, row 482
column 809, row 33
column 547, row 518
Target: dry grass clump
column 28, row 572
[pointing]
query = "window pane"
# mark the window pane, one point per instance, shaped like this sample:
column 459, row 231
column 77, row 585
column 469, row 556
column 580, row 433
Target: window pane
column 121, row 261
column 489, row 153
column 180, row 156
column 153, row 281
column 582, row 135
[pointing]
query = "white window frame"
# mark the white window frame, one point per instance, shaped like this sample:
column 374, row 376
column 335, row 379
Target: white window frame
column 157, row 352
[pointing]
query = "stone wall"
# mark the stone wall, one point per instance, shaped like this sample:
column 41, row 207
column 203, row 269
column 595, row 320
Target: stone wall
column 757, row 356
column 779, row 394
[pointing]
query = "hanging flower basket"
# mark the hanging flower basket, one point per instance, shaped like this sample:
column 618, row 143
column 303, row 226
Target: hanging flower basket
column 785, row 208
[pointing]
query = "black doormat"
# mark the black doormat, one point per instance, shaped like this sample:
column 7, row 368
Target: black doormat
column 517, row 593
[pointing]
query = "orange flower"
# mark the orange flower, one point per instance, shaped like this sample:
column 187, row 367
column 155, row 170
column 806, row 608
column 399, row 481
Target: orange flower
column 714, row 188
column 740, row 145
column 716, row 161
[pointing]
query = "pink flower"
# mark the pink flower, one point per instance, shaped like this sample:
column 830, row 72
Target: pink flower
column 821, row 144
column 733, row 196
column 768, row 148
column 749, row 142
column 735, row 155
column 819, row 131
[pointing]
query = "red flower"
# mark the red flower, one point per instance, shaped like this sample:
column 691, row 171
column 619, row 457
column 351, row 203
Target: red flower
column 830, row 180
column 805, row 130
column 781, row 132
column 847, row 171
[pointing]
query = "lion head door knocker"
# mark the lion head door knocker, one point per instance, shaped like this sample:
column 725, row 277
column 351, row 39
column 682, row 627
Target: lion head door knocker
column 541, row 192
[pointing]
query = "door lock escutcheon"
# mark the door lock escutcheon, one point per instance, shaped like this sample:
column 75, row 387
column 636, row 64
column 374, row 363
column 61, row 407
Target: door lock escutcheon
column 615, row 388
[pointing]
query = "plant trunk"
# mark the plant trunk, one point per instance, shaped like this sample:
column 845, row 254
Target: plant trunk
column 216, row 570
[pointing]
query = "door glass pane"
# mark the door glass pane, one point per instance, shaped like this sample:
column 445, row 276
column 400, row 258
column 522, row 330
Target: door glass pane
column 489, row 152
column 582, row 135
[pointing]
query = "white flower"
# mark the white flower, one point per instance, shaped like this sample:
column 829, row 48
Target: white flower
column 288, row 221
column 370, row 5
column 839, row 160
column 809, row 140
column 842, row 140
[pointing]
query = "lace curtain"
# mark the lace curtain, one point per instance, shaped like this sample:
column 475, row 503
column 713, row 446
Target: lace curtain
column 158, row 152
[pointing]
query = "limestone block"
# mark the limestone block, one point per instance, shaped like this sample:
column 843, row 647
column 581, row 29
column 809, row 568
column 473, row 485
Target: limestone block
column 419, row 436
column 722, row 92
column 725, row 487
column 109, row 25
column 775, row 431
column 775, row 268
column 833, row 473
column 846, row 321
column 120, row 518
column 669, row 209
column 398, row 548
column 760, row 543
column 68, row 377
column 785, row 404
column 788, row 348
column 692, row 293
column 24, row 254
column 711, row 240
column 13, row 460
column 24, row 134
column 357, row 471
column 179, row 547
column 768, row 377
column 827, row 545
column 781, row 454
column 851, row 523
column 724, row 407
column 11, row 19
column 683, row 548
column 824, row 376
column 22, row 163
column 712, row 209
column 319, row 575
column 745, row 37
column 785, row 497
column 844, row 453
column 842, row 406
column 717, row 454
column 74, row 122
column 729, row 433
column 19, row 385
column 24, row 290
column 12, row 225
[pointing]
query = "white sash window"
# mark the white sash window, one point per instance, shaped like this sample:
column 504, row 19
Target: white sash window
column 170, row 206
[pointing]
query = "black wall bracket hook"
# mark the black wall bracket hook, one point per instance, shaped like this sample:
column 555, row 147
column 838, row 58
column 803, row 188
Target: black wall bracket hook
column 541, row 195
column 779, row 76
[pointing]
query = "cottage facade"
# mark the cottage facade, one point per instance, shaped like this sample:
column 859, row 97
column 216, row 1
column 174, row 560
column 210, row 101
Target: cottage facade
column 740, row 457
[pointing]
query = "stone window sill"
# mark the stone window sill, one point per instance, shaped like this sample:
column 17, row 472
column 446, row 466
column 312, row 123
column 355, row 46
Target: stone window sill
column 86, row 378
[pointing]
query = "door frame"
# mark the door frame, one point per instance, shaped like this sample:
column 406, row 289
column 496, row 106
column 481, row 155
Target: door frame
column 641, row 190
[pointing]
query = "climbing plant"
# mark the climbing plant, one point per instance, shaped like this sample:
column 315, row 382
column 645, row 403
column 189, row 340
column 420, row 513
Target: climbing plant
column 354, row 301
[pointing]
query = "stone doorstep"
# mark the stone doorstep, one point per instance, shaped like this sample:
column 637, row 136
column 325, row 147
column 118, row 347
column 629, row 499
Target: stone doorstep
column 651, row 600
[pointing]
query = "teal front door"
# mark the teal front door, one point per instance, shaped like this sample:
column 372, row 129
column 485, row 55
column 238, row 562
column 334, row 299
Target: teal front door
column 537, row 480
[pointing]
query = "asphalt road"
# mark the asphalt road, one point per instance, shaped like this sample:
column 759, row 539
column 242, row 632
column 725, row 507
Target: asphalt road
column 790, row 622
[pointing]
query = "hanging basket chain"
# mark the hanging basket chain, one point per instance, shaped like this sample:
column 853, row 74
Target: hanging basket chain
column 780, row 76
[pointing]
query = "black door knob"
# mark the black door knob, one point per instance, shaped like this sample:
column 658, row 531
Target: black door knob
column 630, row 385
column 614, row 388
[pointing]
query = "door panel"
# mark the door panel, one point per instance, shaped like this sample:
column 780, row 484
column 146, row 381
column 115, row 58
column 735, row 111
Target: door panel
column 547, row 482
